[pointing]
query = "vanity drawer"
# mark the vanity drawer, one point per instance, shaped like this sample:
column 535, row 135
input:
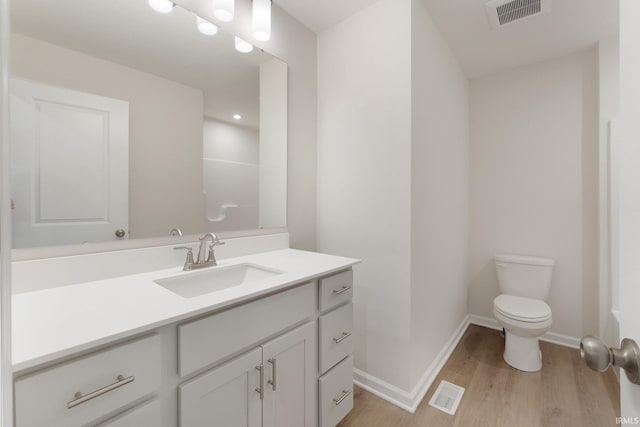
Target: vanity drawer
column 145, row 415
column 336, row 393
column 205, row 341
column 110, row 379
column 335, row 290
column 336, row 341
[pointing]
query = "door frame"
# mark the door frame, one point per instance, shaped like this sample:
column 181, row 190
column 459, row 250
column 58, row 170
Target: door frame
column 629, row 193
column 6, row 390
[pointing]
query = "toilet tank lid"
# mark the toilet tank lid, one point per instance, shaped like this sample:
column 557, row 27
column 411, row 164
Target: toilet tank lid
column 528, row 260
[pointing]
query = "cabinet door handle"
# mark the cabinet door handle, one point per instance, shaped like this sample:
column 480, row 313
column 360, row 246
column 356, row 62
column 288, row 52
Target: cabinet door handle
column 345, row 394
column 341, row 290
column 273, row 373
column 342, row 337
column 80, row 399
column 260, row 389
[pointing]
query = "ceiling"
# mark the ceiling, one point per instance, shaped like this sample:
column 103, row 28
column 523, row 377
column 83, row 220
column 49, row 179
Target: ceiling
column 318, row 15
column 572, row 25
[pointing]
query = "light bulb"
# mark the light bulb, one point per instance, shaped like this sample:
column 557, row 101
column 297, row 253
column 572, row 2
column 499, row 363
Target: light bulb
column 261, row 20
column 223, row 10
column 243, row 46
column 162, row 6
column 237, row 116
column 206, row 27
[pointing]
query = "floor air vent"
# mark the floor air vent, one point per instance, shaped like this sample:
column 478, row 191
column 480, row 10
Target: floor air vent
column 503, row 12
column 447, row 397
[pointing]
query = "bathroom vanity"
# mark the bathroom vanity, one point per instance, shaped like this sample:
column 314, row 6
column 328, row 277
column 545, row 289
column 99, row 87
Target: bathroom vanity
column 270, row 347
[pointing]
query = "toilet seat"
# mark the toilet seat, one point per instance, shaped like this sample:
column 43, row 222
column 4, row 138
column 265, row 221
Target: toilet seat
column 522, row 309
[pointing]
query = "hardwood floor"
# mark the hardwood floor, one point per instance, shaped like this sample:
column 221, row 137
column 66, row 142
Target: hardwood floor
column 564, row 393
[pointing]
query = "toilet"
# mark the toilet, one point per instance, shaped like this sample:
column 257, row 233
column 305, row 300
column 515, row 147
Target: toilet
column 521, row 309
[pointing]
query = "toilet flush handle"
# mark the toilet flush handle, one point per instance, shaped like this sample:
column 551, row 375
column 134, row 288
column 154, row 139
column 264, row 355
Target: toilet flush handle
column 599, row 357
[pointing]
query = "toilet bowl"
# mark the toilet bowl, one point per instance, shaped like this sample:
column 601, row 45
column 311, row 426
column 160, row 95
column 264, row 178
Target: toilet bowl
column 524, row 321
column 521, row 309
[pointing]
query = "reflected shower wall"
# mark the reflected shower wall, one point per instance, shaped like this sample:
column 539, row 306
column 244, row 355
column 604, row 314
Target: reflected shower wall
column 231, row 176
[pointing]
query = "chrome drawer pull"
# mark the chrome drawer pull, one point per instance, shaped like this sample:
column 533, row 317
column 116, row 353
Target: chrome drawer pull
column 345, row 394
column 80, row 399
column 342, row 337
column 260, row 389
column 272, row 381
column 341, row 290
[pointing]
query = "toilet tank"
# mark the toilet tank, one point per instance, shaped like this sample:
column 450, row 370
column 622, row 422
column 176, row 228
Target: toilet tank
column 524, row 276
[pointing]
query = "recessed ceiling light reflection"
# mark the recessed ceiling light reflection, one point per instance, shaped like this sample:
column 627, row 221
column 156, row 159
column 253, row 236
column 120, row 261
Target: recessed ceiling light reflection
column 206, row 27
column 162, row 6
column 243, row 46
column 223, row 10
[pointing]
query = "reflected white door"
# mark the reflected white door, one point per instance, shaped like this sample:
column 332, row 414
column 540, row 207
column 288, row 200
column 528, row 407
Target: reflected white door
column 629, row 194
column 69, row 166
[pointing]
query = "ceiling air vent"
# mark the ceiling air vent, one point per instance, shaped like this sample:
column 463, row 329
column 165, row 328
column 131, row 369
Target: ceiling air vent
column 503, row 12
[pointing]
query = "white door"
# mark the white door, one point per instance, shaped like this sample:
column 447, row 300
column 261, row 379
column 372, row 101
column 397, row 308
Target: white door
column 290, row 367
column 69, row 165
column 629, row 194
column 225, row 396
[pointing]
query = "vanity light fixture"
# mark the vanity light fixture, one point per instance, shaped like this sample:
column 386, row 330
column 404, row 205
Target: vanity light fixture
column 261, row 16
column 223, row 10
column 206, row 27
column 161, row 6
column 243, row 46
column 237, row 116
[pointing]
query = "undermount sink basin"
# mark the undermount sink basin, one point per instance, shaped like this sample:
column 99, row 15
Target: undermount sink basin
column 213, row 279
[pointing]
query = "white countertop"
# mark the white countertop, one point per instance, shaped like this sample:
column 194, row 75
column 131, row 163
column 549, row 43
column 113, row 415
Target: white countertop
column 57, row 322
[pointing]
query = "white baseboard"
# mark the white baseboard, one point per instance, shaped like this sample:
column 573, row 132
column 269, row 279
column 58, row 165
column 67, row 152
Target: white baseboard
column 552, row 337
column 383, row 390
column 409, row 401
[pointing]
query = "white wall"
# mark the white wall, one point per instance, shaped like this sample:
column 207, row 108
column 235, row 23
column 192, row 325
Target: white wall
column 230, row 175
column 439, row 192
column 364, row 180
column 393, row 127
column 533, row 182
column 158, row 178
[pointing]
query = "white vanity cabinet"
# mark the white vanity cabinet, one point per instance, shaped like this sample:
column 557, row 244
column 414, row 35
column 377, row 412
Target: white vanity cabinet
column 82, row 390
column 226, row 395
column 335, row 347
column 204, row 342
column 146, row 414
column 276, row 359
column 271, row 386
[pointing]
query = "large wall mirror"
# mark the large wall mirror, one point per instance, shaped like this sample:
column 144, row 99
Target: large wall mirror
column 127, row 123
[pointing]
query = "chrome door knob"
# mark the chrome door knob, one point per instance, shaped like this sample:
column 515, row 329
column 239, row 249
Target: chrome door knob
column 599, row 357
column 120, row 233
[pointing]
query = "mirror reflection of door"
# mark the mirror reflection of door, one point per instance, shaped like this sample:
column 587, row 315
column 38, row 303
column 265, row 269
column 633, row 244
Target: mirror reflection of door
column 69, row 165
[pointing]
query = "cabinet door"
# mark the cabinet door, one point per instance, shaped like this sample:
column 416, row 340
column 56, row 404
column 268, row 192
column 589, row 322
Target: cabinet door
column 225, row 396
column 290, row 390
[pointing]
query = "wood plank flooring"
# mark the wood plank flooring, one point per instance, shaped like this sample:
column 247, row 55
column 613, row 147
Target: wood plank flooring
column 564, row 393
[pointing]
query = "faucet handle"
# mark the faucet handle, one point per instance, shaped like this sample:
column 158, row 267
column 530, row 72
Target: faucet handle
column 188, row 263
column 211, row 257
column 217, row 243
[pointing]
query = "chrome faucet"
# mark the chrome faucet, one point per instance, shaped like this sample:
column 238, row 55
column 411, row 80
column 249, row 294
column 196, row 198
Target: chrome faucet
column 201, row 262
column 211, row 258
